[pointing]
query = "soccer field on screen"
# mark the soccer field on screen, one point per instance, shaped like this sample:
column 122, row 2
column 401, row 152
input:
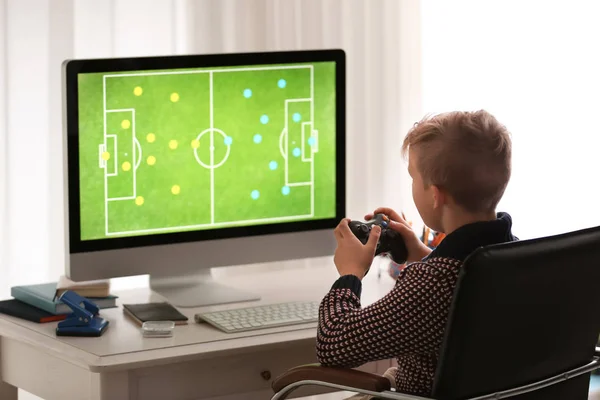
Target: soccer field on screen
column 178, row 150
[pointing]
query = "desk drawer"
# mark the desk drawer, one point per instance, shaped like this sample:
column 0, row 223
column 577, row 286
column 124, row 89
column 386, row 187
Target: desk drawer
column 246, row 376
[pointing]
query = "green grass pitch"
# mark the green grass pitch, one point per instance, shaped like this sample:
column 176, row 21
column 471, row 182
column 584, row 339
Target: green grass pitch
column 170, row 151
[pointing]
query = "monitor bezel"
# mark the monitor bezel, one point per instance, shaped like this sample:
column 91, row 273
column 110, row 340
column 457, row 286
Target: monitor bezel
column 71, row 69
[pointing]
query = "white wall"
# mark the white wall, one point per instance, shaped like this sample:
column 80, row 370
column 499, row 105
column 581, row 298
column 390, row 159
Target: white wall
column 28, row 151
column 3, row 150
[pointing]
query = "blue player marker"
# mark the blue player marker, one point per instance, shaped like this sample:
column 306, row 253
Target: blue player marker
column 296, row 152
column 264, row 119
column 273, row 165
column 247, row 93
column 311, row 141
column 228, row 140
column 281, row 83
column 255, row 195
column 257, row 138
column 296, row 117
column 285, row 190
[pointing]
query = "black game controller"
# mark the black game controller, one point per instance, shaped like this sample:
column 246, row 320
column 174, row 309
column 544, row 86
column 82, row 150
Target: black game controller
column 390, row 242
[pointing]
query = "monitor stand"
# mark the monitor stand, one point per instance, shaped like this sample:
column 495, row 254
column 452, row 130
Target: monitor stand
column 198, row 290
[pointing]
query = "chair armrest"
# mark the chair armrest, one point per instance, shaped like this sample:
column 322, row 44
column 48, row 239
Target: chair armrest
column 338, row 376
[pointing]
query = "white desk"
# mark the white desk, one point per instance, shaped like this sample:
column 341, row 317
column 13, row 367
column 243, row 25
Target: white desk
column 199, row 362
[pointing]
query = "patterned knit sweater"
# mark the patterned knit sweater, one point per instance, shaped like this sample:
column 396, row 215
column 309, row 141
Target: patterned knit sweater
column 409, row 322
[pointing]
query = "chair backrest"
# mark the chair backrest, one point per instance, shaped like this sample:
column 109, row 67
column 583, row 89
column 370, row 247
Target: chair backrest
column 522, row 312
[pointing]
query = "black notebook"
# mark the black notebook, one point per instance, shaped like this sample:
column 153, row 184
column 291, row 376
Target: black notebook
column 141, row 313
column 16, row 308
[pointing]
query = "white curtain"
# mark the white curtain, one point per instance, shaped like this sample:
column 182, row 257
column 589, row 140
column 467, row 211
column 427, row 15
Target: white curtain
column 535, row 65
column 381, row 38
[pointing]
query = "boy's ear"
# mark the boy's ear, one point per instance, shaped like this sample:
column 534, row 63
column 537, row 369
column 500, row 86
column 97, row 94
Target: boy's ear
column 439, row 197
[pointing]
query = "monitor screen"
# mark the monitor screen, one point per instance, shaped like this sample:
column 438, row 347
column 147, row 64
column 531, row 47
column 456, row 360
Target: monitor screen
column 191, row 148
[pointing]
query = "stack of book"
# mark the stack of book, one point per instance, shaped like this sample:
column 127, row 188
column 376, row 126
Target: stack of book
column 40, row 303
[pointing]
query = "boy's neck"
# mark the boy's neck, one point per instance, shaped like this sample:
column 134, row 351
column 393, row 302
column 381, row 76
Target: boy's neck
column 457, row 218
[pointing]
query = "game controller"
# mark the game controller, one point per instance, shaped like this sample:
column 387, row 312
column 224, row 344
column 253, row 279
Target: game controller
column 390, row 242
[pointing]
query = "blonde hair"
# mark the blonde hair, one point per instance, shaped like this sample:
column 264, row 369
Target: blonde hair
column 467, row 154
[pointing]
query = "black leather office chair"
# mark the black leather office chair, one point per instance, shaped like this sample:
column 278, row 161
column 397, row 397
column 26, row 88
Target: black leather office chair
column 524, row 324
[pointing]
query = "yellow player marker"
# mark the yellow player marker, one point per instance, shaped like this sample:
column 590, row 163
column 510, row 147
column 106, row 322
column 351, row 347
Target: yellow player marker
column 151, row 137
column 106, row 156
column 125, row 124
column 175, row 189
column 139, row 200
column 195, row 144
column 126, row 166
column 173, row 144
column 151, row 160
column 138, row 91
column 174, row 97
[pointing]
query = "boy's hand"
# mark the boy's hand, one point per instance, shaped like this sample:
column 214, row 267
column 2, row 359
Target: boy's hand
column 391, row 214
column 351, row 256
column 416, row 249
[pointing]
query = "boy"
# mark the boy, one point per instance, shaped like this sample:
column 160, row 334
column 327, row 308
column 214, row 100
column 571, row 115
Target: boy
column 460, row 164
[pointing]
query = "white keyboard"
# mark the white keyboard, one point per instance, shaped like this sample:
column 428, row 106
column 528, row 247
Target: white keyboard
column 262, row 317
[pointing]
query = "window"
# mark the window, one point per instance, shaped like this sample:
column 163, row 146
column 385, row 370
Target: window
column 536, row 67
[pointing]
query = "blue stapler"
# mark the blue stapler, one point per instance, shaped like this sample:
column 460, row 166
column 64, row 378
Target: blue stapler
column 84, row 321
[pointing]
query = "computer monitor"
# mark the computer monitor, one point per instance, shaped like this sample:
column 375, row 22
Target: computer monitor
column 178, row 164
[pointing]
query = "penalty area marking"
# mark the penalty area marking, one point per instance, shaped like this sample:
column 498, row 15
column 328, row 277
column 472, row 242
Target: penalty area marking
column 121, row 198
column 314, row 147
column 113, row 155
column 303, row 138
column 285, row 152
column 315, row 134
column 134, row 144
